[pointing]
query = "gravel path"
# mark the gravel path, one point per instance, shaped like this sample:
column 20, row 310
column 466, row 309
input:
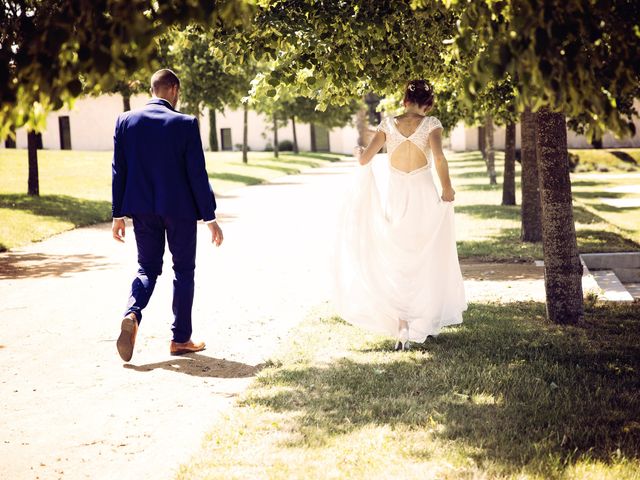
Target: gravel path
column 71, row 409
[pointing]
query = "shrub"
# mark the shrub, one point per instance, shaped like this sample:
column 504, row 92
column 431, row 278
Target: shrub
column 574, row 159
column 285, row 145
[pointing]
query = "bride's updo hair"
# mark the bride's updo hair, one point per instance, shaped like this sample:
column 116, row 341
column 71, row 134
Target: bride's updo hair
column 420, row 93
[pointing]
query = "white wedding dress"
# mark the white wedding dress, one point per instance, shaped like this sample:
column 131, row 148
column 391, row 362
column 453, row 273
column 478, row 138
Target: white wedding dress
column 396, row 255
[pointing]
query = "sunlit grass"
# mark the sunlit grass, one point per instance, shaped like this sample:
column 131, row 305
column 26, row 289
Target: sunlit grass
column 607, row 159
column 504, row 395
column 488, row 231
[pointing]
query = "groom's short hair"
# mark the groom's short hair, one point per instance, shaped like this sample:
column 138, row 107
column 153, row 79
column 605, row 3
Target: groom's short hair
column 164, row 78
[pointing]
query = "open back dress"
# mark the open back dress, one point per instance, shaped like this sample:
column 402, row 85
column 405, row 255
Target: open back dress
column 396, row 256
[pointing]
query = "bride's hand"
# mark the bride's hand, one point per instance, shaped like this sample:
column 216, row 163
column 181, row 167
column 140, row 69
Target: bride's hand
column 448, row 194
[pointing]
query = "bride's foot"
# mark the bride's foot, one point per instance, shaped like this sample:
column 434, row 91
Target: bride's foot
column 403, row 339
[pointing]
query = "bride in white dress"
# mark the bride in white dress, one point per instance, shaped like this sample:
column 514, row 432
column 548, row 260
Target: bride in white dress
column 397, row 269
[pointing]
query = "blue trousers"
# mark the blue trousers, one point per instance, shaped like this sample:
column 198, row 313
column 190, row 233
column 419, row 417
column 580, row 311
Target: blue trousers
column 150, row 231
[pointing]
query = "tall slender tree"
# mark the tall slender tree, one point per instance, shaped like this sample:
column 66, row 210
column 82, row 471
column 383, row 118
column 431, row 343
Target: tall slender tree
column 296, row 149
column 490, row 153
column 509, row 175
column 213, row 131
column 33, row 182
column 531, row 216
column 245, row 133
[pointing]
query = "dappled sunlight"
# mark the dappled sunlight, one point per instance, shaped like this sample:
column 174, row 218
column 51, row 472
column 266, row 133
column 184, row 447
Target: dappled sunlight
column 505, row 393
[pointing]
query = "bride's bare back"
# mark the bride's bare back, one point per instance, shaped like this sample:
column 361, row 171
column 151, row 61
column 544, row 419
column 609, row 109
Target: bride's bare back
column 406, row 155
column 407, row 139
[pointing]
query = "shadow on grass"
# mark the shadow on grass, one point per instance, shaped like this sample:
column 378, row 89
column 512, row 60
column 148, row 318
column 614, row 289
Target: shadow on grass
column 318, row 156
column 506, row 212
column 586, row 183
column 624, row 156
column 594, row 241
column 516, row 394
column 506, row 245
column 277, row 168
column 78, row 211
column 466, row 156
column 598, row 194
column 603, row 207
column 513, row 212
column 482, row 187
column 236, row 177
column 477, row 174
column 503, row 247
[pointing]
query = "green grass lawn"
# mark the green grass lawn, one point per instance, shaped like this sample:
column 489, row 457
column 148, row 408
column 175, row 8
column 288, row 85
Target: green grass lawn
column 504, row 395
column 76, row 191
column 488, row 231
column 75, row 187
column 607, row 159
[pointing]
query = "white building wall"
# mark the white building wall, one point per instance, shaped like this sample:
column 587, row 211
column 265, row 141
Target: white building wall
column 343, row 140
column 457, row 138
column 469, row 139
column 92, row 121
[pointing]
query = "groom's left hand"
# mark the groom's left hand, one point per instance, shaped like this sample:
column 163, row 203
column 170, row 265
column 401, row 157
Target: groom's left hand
column 117, row 229
column 216, row 233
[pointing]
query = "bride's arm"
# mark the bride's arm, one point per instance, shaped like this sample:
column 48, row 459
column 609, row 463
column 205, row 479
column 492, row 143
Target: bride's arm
column 364, row 155
column 442, row 167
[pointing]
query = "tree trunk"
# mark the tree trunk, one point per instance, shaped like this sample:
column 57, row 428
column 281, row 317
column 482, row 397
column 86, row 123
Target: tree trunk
column 245, row 135
column 490, row 152
column 509, row 179
column 296, row 150
column 482, row 140
column 562, row 266
column 276, row 151
column 213, row 131
column 313, row 137
column 32, row 149
column 531, row 214
column 10, row 141
column 126, row 101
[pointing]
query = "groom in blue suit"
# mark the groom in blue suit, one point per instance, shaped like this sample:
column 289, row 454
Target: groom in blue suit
column 160, row 181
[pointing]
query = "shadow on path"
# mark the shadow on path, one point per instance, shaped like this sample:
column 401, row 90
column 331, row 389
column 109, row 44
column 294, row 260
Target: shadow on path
column 202, row 366
column 36, row 265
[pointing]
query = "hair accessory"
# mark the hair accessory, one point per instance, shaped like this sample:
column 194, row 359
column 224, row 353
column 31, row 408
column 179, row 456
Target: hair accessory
column 412, row 87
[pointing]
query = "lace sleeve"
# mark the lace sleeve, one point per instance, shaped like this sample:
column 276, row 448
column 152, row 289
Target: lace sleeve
column 434, row 123
column 382, row 127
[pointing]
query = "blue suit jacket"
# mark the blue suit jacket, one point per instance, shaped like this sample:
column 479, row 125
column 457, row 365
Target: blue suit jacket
column 158, row 165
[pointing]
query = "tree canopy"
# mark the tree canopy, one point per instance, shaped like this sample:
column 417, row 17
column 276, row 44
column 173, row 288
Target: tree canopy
column 577, row 56
column 49, row 48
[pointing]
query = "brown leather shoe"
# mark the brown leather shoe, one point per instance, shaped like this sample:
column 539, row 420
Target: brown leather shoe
column 127, row 338
column 186, row 347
